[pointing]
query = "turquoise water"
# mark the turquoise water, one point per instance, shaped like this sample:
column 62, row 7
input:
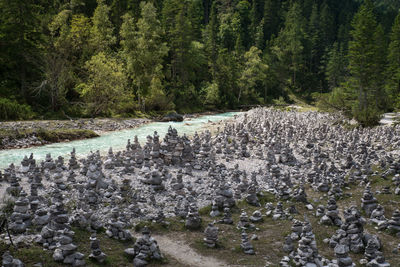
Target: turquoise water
column 117, row 140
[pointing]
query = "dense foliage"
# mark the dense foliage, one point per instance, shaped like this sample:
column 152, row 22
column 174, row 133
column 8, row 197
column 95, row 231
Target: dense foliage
column 110, row 57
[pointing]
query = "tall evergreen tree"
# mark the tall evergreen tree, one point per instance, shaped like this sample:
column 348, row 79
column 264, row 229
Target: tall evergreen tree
column 179, row 32
column 144, row 51
column 327, row 25
column 315, row 41
column 211, row 39
column 102, row 32
column 336, row 64
column 289, row 46
column 254, row 73
column 271, row 18
column 363, row 65
column 20, row 46
column 393, row 67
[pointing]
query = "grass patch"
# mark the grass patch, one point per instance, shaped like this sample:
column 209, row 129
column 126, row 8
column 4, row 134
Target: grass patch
column 205, row 211
column 48, row 135
column 65, row 134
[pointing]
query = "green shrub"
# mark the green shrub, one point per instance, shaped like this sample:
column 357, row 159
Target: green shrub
column 368, row 117
column 11, row 110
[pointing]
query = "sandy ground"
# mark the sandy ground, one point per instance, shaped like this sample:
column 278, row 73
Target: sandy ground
column 181, row 251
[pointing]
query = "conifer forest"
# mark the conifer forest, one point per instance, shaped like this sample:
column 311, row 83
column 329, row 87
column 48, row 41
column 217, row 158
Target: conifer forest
column 90, row 58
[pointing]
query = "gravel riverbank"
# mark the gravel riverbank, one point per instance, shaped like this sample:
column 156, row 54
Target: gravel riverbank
column 23, row 134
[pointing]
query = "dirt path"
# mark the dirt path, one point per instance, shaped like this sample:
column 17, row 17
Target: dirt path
column 181, row 251
column 389, row 118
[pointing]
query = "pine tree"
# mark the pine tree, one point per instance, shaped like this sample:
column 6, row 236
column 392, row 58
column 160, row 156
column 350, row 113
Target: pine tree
column 101, row 34
column 196, row 17
column 326, row 25
column 314, row 37
column 21, row 43
column 259, row 37
column 254, row 72
column 289, row 46
column 378, row 92
column 211, row 39
column 144, row 51
column 393, row 67
column 179, row 32
column 363, row 65
column 336, row 65
column 254, row 21
column 271, row 18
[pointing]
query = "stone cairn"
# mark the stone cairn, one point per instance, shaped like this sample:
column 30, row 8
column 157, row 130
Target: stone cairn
column 154, row 180
column 246, row 246
column 14, row 189
column 368, row 201
column 214, row 210
column 224, row 196
column 342, row 257
column 66, row 251
column 378, row 217
column 48, row 163
column 331, row 217
column 394, row 222
column 144, row 250
column 227, row 216
column 109, row 162
column 193, row 219
column 244, row 222
column 8, row 172
column 73, row 163
column 9, row 261
column 96, row 253
column 373, row 256
column 256, row 217
column 115, row 227
column 20, row 219
column 351, row 232
column 278, row 213
column 211, row 236
column 251, row 196
column 177, row 184
column 320, row 211
column 41, row 218
column 307, row 252
column 58, row 178
column 25, row 165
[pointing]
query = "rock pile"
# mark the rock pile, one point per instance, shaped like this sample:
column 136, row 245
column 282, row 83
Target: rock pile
column 96, row 253
column 246, row 246
column 9, row 261
column 211, row 236
column 144, row 250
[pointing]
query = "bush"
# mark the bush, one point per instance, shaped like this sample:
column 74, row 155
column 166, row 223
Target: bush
column 340, row 99
column 158, row 100
column 11, row 110
column 367, row 118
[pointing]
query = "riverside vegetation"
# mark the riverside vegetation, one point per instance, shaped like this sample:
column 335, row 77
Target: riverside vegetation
column 78, row 58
